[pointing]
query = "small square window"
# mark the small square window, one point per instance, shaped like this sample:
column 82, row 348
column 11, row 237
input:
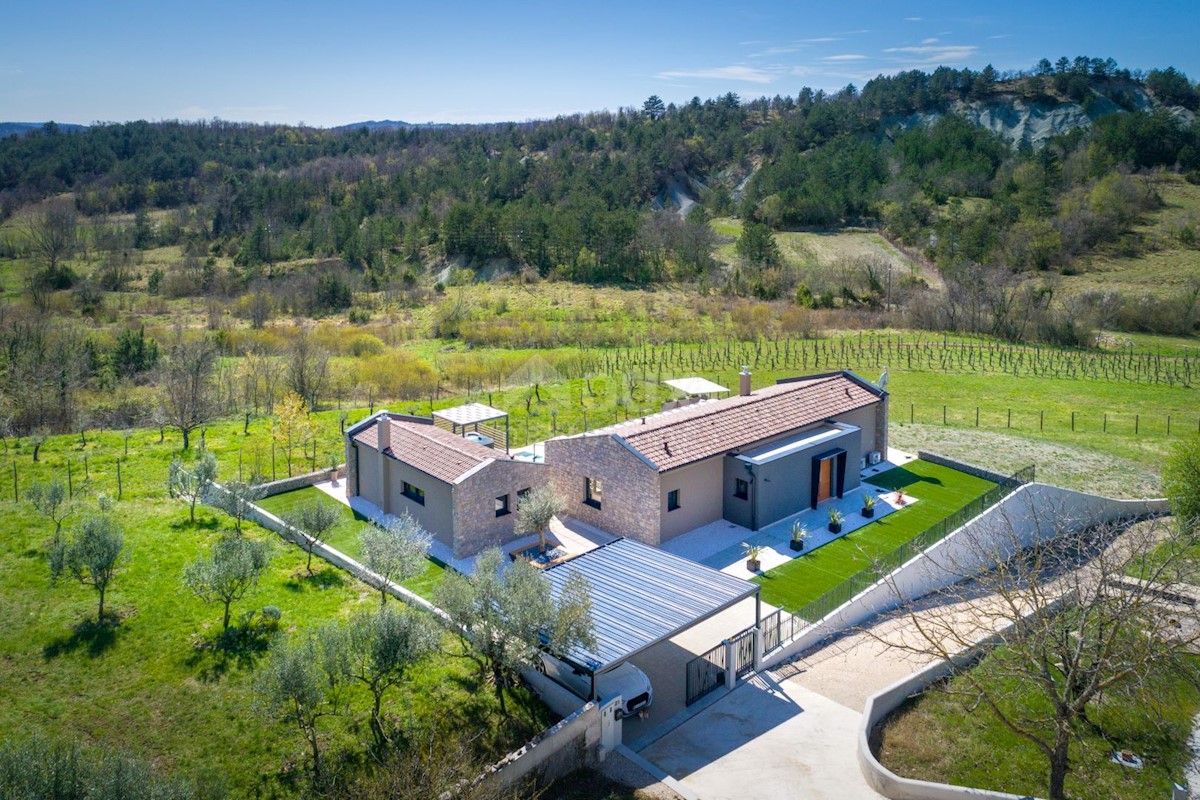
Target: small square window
column 523, row 493
column 672, row 500
column 501, row 505
column 741, row 489
column 413, row 493
column 592, row 492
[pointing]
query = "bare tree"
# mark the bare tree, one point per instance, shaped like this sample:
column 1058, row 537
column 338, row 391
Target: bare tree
column 52, row 234
column 187, row 395
column 1075, row 615
column 307, row 367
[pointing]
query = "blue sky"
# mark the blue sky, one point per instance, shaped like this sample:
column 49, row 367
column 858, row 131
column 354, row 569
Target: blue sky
column 328, row 64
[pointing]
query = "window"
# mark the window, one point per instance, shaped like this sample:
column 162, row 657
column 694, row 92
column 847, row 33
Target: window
column 672, row 500
column 413, row 493
column 501, row 505
column 741, row 489
column 591, row 492
column 523, row 493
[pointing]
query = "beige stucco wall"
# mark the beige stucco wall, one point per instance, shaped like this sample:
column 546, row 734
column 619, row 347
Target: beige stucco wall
column 436, row 515
column 700, row 497
column 864, row 418
column 476, row 526
column 630, row 485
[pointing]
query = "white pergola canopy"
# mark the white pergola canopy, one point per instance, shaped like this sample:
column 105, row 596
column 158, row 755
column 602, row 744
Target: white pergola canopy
column 695, row 386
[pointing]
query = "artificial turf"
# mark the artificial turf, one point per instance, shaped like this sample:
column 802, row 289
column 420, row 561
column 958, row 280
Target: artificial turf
column 344, row 535
column 940, row 491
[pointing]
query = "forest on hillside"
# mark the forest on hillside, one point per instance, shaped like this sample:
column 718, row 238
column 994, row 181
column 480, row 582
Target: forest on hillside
column 269, row 222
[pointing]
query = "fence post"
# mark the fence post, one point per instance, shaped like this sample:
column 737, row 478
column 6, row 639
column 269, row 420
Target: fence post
column 1106, row 422
column 943, row 414
column 1137, row 423
column 911, row 412
column 976, row 416
column 1168, row 424
column 1010, row 418
column 1072, row 422
column 70, row 484
column 118, row 477
column 16, row 497
column 730, row 665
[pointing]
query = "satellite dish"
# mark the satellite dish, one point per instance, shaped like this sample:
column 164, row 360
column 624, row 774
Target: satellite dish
column 883, row 379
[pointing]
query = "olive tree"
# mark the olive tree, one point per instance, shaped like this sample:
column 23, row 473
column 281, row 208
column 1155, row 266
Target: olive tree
column 535, row 511
column 313, row 521
column 303, row 682
column 225, row 574
column 51, row 500
column 192, row 483
column 506, row 616
column 92, row 555
column 395, row 551
column 379, row 647
column 236, row 498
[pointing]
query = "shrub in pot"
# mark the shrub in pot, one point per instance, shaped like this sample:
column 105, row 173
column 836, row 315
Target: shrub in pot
column 868, row 506
column 799, row 534
column 835, row 521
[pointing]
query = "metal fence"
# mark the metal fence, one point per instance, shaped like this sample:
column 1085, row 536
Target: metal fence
column 779, row 627
column 705, row 673
column 842, row 593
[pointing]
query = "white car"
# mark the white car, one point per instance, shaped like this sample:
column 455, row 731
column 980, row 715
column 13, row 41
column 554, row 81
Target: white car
column 626, row 680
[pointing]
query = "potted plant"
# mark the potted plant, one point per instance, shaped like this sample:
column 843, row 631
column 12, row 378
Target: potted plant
column 901, row 500
column 752, row 552
column 868, row 508
column 799, row 534
column 835, row 521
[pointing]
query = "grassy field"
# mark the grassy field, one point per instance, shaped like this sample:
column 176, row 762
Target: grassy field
column 344, row 536
column 155, row 683
column 940, row 490
column 950, row 738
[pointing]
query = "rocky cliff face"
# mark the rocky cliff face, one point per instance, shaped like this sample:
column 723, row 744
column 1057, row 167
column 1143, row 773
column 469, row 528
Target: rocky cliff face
column 1035, row 121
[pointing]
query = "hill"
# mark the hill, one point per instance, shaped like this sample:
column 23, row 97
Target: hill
column 22, row 128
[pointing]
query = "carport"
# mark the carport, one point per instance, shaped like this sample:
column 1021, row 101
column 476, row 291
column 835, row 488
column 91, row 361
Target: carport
column 643, row 597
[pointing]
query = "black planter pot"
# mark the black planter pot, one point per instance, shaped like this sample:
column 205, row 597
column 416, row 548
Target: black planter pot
column 796, row 545
column 835, row 527
column 868, row 512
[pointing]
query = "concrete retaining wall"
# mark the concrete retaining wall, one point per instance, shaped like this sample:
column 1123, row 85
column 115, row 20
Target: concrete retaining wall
column 296, row 482
column 1031, row 514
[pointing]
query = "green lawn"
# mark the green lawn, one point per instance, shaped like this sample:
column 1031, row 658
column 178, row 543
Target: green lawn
column 940, row 490
column 153, row 684
column 344, row 536
column 950, row 737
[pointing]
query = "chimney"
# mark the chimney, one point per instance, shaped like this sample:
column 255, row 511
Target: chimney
column 384, row 434
column 744, row 382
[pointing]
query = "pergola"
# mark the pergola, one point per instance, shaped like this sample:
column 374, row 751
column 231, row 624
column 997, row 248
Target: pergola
column 696, row 387
column 475, row 418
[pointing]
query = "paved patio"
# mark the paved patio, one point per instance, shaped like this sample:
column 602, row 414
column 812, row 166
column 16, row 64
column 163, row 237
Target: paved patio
column 719, row 544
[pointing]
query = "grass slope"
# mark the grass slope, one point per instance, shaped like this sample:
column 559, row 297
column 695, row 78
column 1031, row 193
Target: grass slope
column 154, row 684
column 940, row 490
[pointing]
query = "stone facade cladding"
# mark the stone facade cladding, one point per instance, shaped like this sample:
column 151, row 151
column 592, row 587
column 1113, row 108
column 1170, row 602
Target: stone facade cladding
column 630, row 486
column 476, row 526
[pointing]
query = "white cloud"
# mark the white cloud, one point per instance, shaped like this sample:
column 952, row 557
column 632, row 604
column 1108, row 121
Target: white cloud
column 732, row 73
column 930, row 41
column 775, row 51
column 845, row 57
column 1000, row 36
column 913, row 19
column 929, row 54
column 821, row 39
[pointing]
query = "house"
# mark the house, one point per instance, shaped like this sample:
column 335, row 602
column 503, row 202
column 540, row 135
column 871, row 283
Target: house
column 753, row 458
column 453, row 480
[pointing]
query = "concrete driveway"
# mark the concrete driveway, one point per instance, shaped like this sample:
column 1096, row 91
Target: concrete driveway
column 766, row 739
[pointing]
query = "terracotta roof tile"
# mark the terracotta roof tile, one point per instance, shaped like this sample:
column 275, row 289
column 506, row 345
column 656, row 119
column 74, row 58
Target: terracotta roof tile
column 432, row 450
column 676, row 438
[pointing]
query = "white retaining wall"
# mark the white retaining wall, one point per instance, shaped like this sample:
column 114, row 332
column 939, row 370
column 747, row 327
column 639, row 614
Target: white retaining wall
column 1031, row 514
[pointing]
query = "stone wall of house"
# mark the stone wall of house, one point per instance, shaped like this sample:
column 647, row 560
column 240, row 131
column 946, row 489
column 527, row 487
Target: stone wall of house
column 476, row 526
column 630, row 486
column 296, row 482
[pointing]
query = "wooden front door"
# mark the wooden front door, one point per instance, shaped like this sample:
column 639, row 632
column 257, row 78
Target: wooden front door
column 824, row 481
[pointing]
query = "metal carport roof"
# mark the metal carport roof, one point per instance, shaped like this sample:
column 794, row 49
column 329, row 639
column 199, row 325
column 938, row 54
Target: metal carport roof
column 642, row 596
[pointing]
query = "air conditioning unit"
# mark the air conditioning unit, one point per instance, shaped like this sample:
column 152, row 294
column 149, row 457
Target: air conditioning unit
column 874, row 457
